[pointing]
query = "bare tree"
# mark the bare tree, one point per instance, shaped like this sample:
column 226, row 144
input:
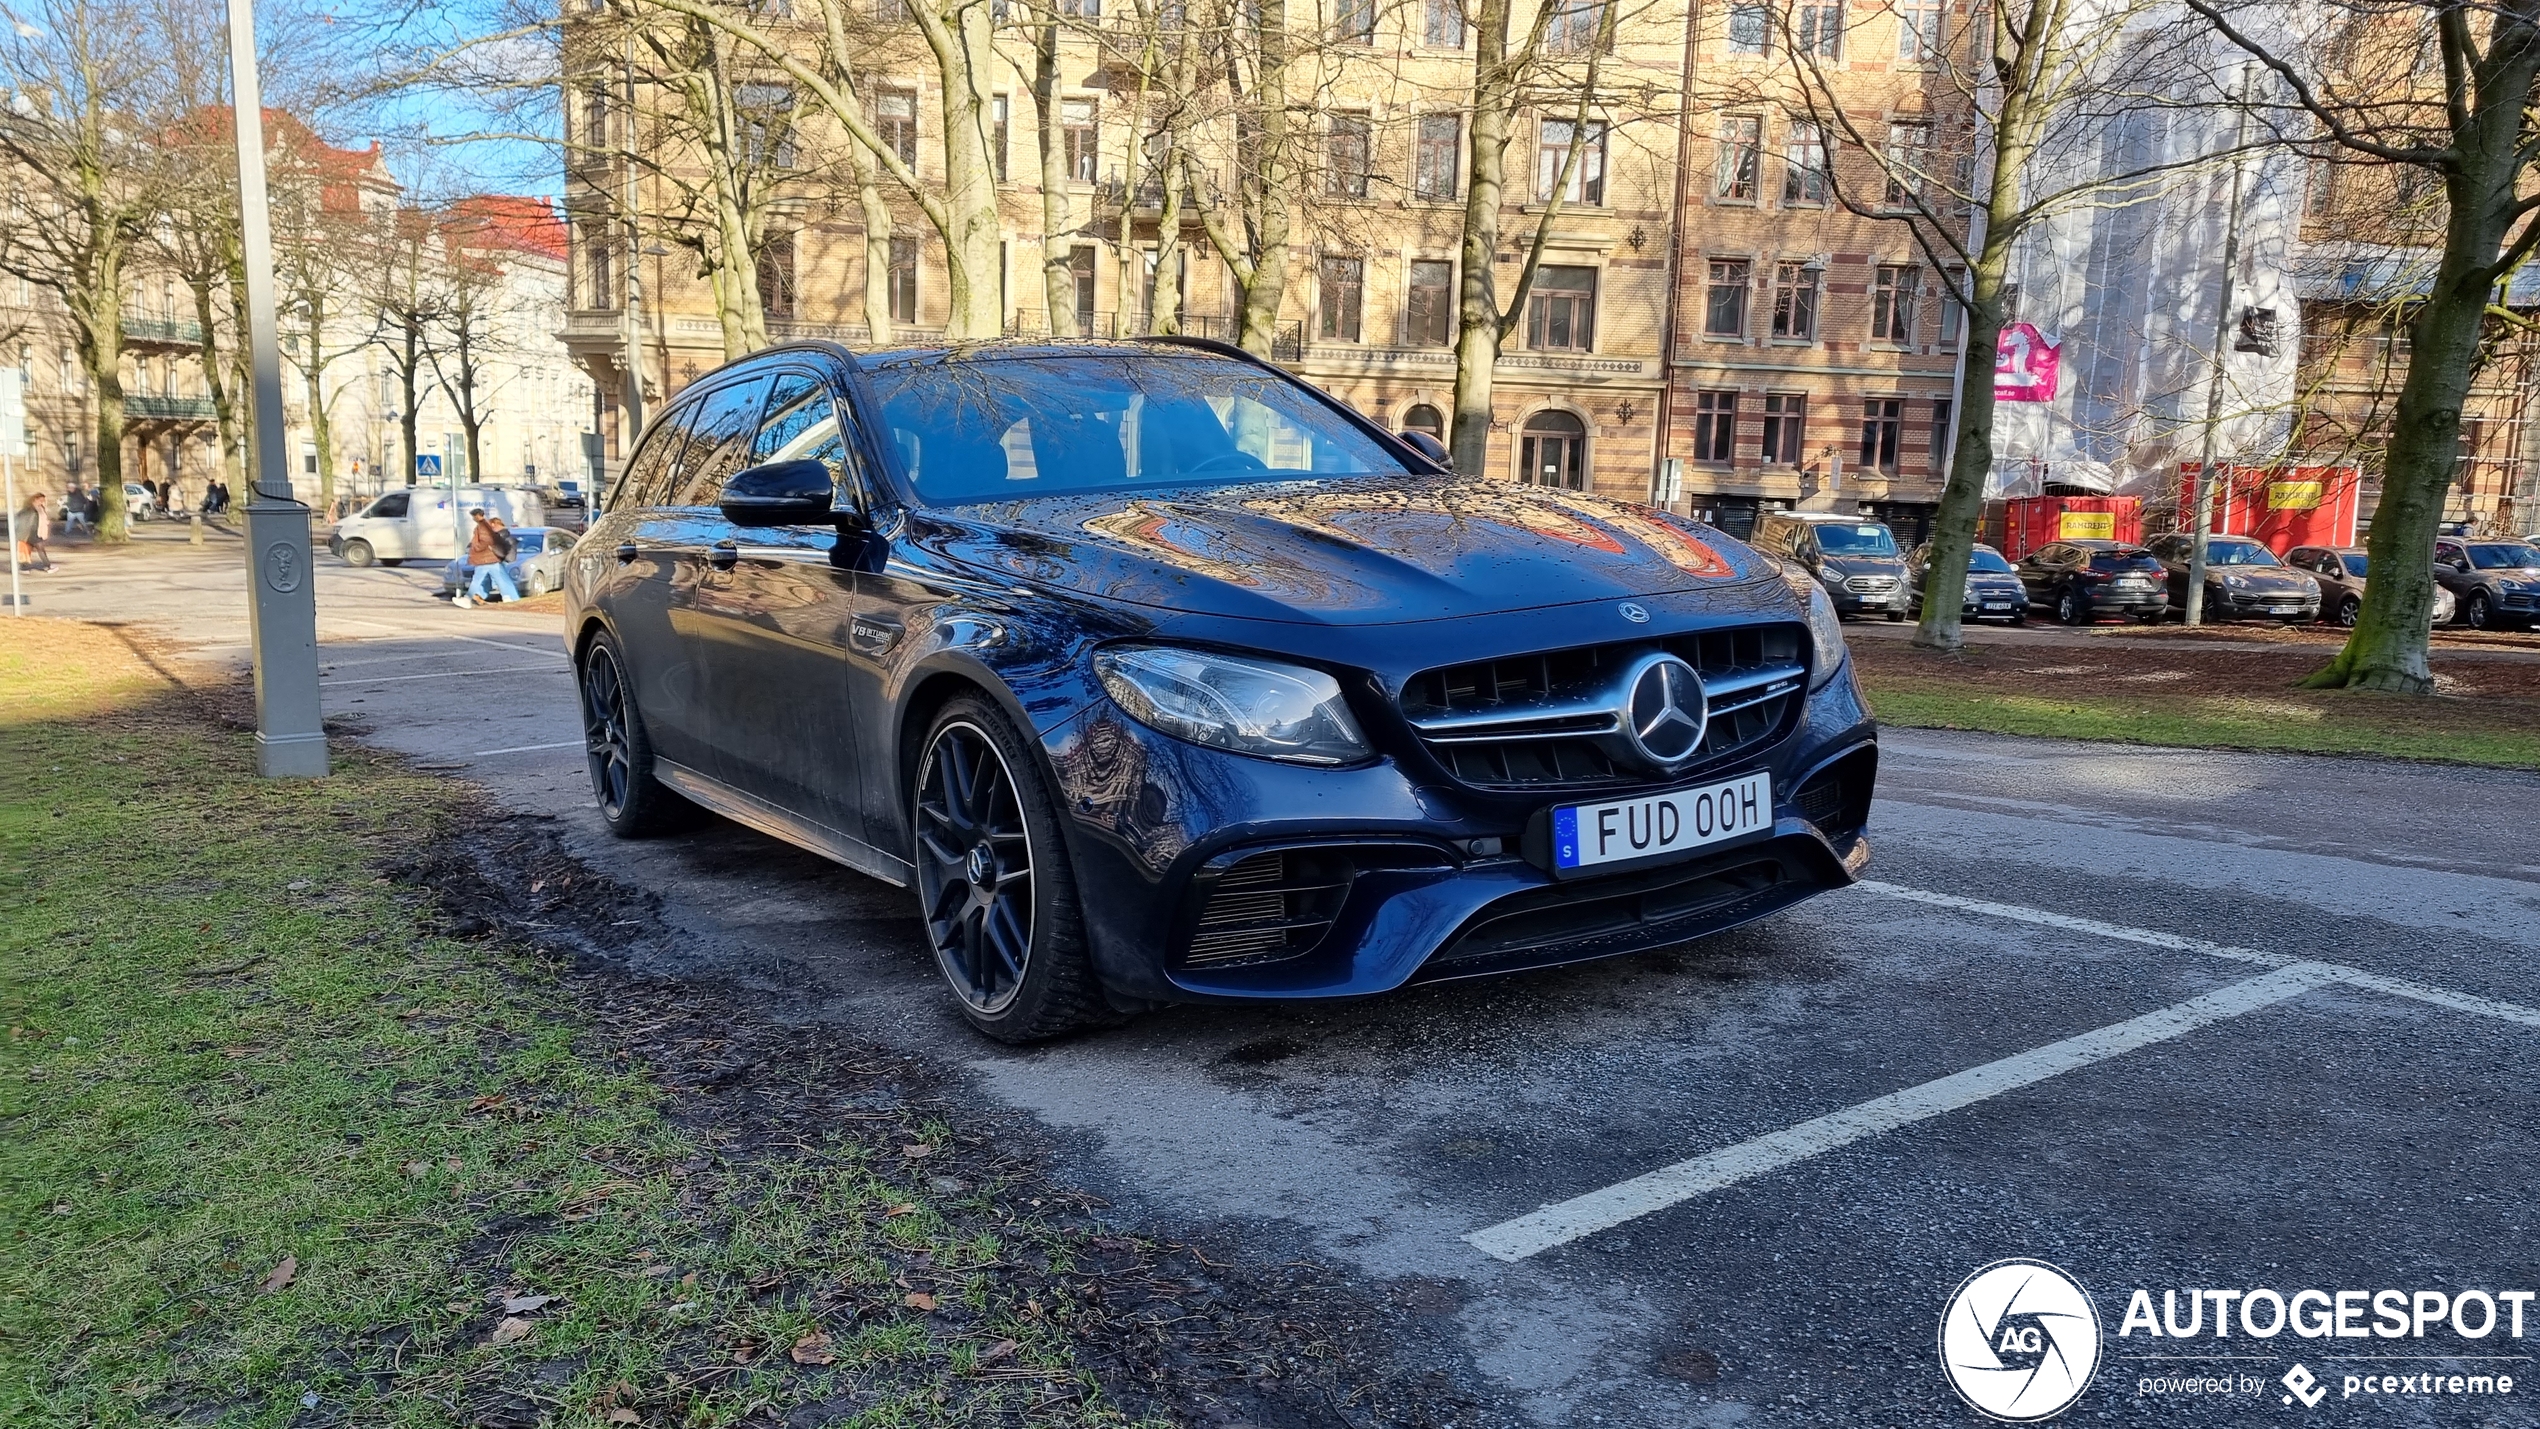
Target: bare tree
column 2352, row 74
column 405, row 303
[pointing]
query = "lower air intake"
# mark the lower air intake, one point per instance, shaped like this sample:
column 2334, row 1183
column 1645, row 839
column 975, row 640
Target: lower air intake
column 1269, row 906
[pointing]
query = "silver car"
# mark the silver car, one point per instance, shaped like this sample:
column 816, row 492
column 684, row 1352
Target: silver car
column 536, row 566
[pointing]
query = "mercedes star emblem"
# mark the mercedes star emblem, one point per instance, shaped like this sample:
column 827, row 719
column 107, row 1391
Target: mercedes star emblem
column 1635, row 612
column 1664, row 711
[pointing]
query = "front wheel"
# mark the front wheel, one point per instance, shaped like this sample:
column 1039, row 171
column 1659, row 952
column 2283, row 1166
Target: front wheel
column 359, row 553
column 2349, row 611
column 2480, row 612
column 619, row 752
column 2068, row 609
column 994, row 882
column 1894, row 616
column 534, row 586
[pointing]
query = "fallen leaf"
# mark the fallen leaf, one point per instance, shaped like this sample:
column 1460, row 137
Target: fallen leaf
column 418, row 1168
column 1032, row 1308
column 917, row 1153
column 527, row 1304
column 619, row 1392
column 743, row 1354
column 486, row 1103
column 295, row 885
column 282, row 1275
column 453, row 1163
column 625, row 1416
column 688, row 1281
column 919, row 1300
column 998, row 1351
column 655, row 1272
column 899, row 1211
column 813, row 1349
column 537, row 884
column 512, row 1331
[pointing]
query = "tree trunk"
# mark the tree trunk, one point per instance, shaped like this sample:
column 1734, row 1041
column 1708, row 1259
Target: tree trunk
column 1477, row 330
column 406, row 378
column 321, row 427
column 1953, row 527
column 1058, row 275
column 224, row 400
column 965, row 56
column 102, row 350
column 1265, row 287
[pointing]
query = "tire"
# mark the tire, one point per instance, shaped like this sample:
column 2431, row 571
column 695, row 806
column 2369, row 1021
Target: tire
column 392, row 560
column 617, row 751
column 2348, row 611
column 2068, row 607
column 1895, row 616
column 2480, row 613
column 994, row 885
column 358, row 554
column 2019, row 617
column 534, row 587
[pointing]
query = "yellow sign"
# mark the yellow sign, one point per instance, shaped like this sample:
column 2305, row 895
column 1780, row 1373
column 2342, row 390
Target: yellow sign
column 2293, row 495
column 2085, row 525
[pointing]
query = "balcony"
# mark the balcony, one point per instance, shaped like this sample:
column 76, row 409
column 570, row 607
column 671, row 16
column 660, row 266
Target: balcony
column 162, row 332
column 169, row 409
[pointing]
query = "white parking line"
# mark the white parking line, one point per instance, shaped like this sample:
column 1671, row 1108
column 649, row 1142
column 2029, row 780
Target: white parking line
column 523, row 749
column 553, row 668
column 1603, row 1209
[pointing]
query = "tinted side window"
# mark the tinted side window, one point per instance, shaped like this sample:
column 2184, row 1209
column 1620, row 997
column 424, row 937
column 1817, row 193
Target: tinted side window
column 718, row 442
column 392, row 504
column 802, row 425
column 646, row 480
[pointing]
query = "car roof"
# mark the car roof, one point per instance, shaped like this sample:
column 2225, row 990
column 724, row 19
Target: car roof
column 1829, row 516
column 2093, row 543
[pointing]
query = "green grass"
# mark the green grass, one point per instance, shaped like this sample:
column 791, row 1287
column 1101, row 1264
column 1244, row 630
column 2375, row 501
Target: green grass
column 2341, row 722
column 234, row 1044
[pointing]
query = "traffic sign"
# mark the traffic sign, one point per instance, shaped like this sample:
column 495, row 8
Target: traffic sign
column 12, row 413
column 427, row 465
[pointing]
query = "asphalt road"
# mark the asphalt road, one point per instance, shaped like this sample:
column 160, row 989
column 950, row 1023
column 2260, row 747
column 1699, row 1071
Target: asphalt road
column 2165, row 1019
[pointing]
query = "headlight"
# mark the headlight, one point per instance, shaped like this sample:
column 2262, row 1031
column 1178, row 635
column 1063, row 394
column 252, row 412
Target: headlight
column 2235, row 582
column 1247, row 706
column 1823, row 627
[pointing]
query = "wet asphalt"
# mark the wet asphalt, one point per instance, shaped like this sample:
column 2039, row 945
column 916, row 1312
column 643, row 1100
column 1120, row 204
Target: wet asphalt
column 2340, row 1138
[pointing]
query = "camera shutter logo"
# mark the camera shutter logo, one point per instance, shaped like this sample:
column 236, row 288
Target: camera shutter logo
column 2019, row 1340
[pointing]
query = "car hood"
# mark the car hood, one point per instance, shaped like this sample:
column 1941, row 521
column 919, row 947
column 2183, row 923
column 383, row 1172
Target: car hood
column 1341, row 552
column 2265, row 578
column 1863, row 565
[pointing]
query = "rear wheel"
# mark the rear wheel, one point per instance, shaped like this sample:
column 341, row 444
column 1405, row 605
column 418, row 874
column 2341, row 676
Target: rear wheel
column 994, row 883
column 2069, row 609
column 618, row 751
column 533, row 585
column 359, row 553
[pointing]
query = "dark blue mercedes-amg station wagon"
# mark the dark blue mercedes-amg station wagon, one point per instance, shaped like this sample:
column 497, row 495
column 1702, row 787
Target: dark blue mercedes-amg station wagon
column 1162, row 676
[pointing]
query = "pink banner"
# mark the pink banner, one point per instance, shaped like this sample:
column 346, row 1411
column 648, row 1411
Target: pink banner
column 2024, row 365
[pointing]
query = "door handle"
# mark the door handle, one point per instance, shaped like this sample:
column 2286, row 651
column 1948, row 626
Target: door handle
column 722, row 555
column 626, row 553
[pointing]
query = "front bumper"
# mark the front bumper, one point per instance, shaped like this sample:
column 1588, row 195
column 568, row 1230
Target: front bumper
column 1431, row 882
column 2230, row 604
column 1848, row 601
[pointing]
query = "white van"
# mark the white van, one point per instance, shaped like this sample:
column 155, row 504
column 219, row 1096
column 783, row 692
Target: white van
column 428, row 522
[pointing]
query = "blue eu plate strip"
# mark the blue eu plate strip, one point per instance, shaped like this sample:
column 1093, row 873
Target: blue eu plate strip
column 1565, row 837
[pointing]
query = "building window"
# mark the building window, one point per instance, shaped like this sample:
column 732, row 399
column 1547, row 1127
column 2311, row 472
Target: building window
column 1422, row 417
column 599, row 259
column 1724, row 306
column 1344, row 294
column 1741, row 147
column 1442, row 24
column 1080, row 268
column 1428, row 313
column 1953, row 313
column 1552, row 150
column 1795, row 301
column 2257, row 332
column 1804, row 165
column 1882, row 427
column 1575, row 27
column 1000, row 125
column 1081, row 9
column 1438, row 158
column 776, row 276
column 1345, row 147
column 1553, row 451
column 1785, row 428
column 1714, row 427
column 1892, row 303
column 1918, row 31
column 903, row 292
column 1749, row 24
column 1357, row 22
column 595, row 118
column 895, row 121
column 1821, row 29
column 1076, row 119
column 1908, row 162
column 1561, row 310
column 767, row 124
column 1942, row 433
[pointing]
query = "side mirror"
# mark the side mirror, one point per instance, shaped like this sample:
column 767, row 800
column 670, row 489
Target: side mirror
column 781, row 493
column 1428, row 446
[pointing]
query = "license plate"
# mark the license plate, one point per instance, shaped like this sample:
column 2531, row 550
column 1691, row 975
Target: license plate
column 1997, row 605
column 2282, row 609
column 1655, row 825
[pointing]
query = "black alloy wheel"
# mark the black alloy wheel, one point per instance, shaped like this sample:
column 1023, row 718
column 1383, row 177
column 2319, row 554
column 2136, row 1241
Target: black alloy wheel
column 2069, row 608
column 2480, row 612
column 993, row 881
column 619, row 754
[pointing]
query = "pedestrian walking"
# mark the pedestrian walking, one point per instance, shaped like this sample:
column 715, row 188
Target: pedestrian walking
column 489, row 546
column 35, row 531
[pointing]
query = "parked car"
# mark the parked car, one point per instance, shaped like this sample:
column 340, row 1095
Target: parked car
column 1161, row 676
column 1993, row 588
column 536, row 566
column 1856, row 560
column 2339, row 570
column 427, row 521
column 140, row 503
column 2243, row 580
column 2083, row 581
column 2496, row 582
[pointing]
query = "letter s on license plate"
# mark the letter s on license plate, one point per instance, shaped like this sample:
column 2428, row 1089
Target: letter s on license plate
column 1629, row 830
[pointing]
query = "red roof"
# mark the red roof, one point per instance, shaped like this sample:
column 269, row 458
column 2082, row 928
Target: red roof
column 341, row 172
column 507, row 221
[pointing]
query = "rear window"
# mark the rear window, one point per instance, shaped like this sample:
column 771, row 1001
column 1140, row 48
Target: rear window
column 1019, row 428
column 2117, row 562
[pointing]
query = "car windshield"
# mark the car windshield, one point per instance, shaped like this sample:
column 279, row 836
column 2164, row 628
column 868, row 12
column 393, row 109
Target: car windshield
column 2124, row 561
column 1867, row 539
column 2502, row 556
column 1985, row 558
column 2355, row 565
column 1019, row 428
column 2238, row 553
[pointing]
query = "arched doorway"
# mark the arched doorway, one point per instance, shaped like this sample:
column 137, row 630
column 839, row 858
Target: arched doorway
column 1553, row 451
column 1422, row 417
